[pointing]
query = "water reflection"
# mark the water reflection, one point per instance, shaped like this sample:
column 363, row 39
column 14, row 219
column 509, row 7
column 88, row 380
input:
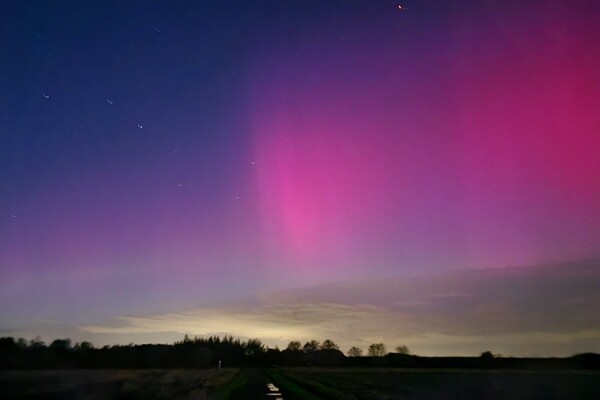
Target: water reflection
column 274, row 391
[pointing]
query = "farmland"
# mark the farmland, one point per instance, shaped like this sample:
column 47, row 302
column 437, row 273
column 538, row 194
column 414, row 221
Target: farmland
column 302, row 383
column 375, row 384
column 112, row 384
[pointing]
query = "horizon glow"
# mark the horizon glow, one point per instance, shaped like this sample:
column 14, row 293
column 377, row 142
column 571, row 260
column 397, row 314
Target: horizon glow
column 285, row 145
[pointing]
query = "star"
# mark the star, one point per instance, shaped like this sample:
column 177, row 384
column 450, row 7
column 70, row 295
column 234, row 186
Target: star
column 157, row 30
column 401, row 7
column 179, row 185
column 13, row 215
column 252, row 163
column 237, row 197
column 46, row 96
column 109, row 101
column 140, row 126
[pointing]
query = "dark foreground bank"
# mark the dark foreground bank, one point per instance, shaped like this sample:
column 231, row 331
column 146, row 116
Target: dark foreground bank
column 301, row 383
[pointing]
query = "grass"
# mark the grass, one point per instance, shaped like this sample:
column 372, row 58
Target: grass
column 303, row 384
column 112, row 384
column 321, row 388
column 226, row 390
column 291, row 388
column 418, row 384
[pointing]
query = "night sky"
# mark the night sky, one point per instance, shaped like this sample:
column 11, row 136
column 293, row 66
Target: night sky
column 426, row 175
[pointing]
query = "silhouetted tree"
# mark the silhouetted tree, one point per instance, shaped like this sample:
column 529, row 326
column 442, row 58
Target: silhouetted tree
column 254, row 346
column 354, row 352
column 8, row 344
column 328, row 344
column 83, row 346
column 202, row 352
column 377, row 350
column 61, row 345
column 402, row 350
column 313, row 345
column 294, row 345
column 22, row 343
column 37, row 343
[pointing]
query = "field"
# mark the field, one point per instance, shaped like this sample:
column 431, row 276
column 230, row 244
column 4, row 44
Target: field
column 310, row 383
column 111, row 384
column 387, row 384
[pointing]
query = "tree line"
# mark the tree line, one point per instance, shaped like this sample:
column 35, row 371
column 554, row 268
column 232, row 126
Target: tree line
column 227, row 351
column 196, row 352
column 374, row 350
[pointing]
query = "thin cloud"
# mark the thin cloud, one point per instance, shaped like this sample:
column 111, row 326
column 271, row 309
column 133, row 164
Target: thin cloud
column 521, row 312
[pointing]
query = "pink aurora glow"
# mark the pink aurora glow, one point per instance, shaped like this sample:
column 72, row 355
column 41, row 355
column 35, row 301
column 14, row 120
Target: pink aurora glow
column 489, row 156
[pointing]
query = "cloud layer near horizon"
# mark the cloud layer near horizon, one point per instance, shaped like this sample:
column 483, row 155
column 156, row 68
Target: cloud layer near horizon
column 515, row 311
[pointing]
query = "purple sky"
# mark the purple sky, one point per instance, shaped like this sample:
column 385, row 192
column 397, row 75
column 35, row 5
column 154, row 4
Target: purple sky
column 162, row 158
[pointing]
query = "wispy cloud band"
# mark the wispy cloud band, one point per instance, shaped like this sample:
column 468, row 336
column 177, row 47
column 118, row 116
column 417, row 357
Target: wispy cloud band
column 529, row 311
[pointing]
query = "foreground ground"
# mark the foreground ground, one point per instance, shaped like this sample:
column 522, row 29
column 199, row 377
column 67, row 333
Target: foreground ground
column 387, row 384
column 301, row 384
column 112, row 384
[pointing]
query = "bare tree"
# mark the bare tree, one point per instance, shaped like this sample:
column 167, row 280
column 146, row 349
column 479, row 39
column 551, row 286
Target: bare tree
column 377, row 350
column 329, row 345
column 294, row 345
column 402, row 350
column 354, row 352
column 313, row 345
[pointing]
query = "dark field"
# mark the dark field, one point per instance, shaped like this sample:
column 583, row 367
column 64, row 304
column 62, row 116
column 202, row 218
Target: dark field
column 380, row 384
column 310, row 383
column 111, row 384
